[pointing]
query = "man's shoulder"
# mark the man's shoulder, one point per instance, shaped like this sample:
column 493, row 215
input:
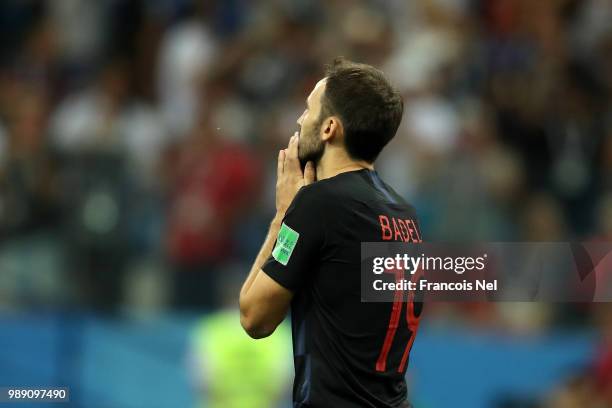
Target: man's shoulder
column 346, row 189
column 331, row 191
column 318, row 192
column 321, row 197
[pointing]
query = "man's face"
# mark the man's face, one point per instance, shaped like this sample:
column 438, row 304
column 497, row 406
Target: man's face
column 310, row 145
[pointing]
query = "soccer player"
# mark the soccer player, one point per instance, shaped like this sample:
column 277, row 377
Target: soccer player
column 347, row 353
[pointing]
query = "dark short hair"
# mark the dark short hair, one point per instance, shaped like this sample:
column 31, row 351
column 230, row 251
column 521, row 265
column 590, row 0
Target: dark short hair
column 368, row 106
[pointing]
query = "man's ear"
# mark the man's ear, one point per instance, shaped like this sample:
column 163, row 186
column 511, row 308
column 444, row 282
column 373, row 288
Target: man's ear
column 331, row 128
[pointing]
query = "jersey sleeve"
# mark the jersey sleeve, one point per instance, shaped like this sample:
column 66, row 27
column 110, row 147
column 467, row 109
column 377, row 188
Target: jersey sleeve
column 300, row 240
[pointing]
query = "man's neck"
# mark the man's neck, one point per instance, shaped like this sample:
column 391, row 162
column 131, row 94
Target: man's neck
column 328, row 168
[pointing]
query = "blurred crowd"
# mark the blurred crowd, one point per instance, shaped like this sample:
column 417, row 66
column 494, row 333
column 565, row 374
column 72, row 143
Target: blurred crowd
column 138, row 138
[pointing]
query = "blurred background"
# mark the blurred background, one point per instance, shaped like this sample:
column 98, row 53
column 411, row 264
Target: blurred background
column 138, row 143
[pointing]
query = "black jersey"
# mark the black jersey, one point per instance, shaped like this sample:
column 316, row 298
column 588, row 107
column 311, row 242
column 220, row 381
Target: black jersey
column 346, row 353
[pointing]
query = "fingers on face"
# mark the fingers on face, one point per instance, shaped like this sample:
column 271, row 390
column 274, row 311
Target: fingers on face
column 292, row 149
column 309, row 173
column 281, row 162
column 288, row 156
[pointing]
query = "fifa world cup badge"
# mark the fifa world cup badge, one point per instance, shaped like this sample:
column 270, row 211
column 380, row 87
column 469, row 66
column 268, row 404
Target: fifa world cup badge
column 285, row 243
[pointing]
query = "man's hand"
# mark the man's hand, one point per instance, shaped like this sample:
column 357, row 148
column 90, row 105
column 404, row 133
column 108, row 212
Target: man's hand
column 289, row 177
column 263, row 301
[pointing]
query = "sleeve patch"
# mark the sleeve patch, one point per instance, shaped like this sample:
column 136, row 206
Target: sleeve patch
column 285, row 244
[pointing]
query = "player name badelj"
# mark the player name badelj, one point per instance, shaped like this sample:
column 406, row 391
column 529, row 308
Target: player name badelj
column 424, row 285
